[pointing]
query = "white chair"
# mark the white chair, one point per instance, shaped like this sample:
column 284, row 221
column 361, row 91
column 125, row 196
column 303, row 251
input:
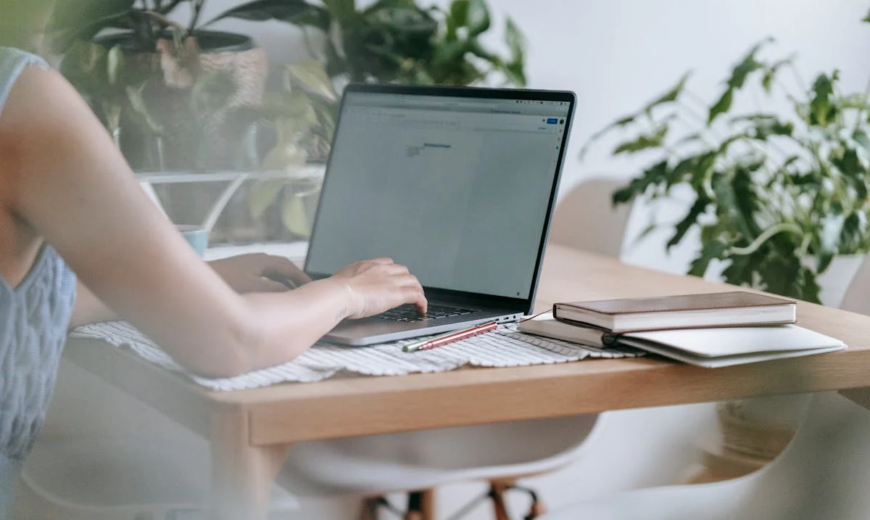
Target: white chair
column 824, row 473
column 372, row 466
column 857, row 298
column 586, row 218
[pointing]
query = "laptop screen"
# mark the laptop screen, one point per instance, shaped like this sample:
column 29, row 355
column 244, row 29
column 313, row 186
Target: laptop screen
column 457, row 189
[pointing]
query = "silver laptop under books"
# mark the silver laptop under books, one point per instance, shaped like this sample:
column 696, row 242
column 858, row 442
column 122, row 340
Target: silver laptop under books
column 459, row 184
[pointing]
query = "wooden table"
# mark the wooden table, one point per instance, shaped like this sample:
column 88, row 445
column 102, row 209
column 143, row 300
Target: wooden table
column 252, row 431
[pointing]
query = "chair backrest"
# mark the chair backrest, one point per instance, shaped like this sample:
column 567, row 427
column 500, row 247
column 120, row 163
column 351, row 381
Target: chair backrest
column 586, row 219
column 857, row 297
column 825, row 471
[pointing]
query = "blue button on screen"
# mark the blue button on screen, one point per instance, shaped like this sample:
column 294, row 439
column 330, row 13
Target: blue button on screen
column 552, row 121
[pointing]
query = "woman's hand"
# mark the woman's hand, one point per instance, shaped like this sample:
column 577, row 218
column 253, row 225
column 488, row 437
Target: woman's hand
column 259, row 272
column 379, row 285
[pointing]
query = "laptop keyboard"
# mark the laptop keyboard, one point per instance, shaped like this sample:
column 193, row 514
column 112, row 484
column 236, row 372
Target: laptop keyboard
column 409, row 313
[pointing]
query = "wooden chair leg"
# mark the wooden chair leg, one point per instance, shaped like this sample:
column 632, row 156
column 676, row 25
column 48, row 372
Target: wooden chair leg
column 369, row 509
column 421, row 505
column 498, row 489
column 428, row 504
column 496, row 493
column 537, row 510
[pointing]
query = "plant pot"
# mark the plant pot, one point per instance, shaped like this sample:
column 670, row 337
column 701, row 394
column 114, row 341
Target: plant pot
column 185, row 134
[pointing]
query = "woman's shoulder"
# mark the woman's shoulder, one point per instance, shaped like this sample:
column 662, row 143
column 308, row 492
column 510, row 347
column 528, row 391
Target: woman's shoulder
column 13, row 63
column 12, row 59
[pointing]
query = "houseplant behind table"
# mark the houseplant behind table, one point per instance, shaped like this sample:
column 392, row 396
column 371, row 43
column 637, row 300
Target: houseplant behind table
column 776, row 198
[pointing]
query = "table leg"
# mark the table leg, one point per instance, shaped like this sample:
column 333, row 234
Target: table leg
column 242, row 475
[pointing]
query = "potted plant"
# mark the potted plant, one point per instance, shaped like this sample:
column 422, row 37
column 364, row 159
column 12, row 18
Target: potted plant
column 177, row 87
column 776, row 197
column 195, row 77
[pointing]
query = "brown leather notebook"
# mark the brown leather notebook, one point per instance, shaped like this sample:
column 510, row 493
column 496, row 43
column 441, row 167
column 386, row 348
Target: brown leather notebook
column 727, row 309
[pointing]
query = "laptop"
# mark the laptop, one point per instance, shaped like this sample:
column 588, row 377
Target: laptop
column 458, row 184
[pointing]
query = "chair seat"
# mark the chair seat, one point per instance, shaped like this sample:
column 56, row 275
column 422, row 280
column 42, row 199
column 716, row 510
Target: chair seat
column 128, row 472
column 824, row 473
column 125, row 473
column 427, row 459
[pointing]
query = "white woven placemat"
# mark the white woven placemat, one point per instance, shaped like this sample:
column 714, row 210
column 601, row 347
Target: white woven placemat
column 504, row 348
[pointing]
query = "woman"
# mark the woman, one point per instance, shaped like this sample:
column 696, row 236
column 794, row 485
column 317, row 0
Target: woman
column 70, row 204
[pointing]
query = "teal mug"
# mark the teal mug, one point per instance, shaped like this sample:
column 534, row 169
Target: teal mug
column 196, row 236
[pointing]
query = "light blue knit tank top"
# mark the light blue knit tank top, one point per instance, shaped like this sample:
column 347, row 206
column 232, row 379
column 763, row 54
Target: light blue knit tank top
column 33, row 322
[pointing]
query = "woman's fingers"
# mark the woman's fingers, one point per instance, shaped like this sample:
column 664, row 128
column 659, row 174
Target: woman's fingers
column 284, row 268
column 395, row 269
column 417, row 297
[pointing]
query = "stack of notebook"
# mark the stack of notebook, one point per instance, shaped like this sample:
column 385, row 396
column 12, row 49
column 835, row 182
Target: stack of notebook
column 709, row 330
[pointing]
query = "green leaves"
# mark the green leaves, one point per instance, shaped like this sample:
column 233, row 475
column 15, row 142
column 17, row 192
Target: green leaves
column 653, row 175
column 469, row 14
column 114, row 65
column 311, row 76
column 698, row 208
column 344, row 11
column 643, row 142
column 514, row 70
column 710, row 251
column 854, row 233
column 398, row 41
column 822, row 109
column 478, row 17
column 136, row 97
column 297, row 12
column 772, row 191
column 515, row 40
column 739, row 74
column 767, row 127
column 722, row 106
column 771, row 71
column 293, row 216
column 866, row 18
column 747, row 66
column 650, row 140
column 670, row 96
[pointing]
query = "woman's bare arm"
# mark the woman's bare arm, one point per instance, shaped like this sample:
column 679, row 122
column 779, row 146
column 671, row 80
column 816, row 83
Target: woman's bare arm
column 249, row 273
column 68, row 181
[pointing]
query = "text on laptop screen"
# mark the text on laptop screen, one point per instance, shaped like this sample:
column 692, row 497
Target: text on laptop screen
column 457, row 189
